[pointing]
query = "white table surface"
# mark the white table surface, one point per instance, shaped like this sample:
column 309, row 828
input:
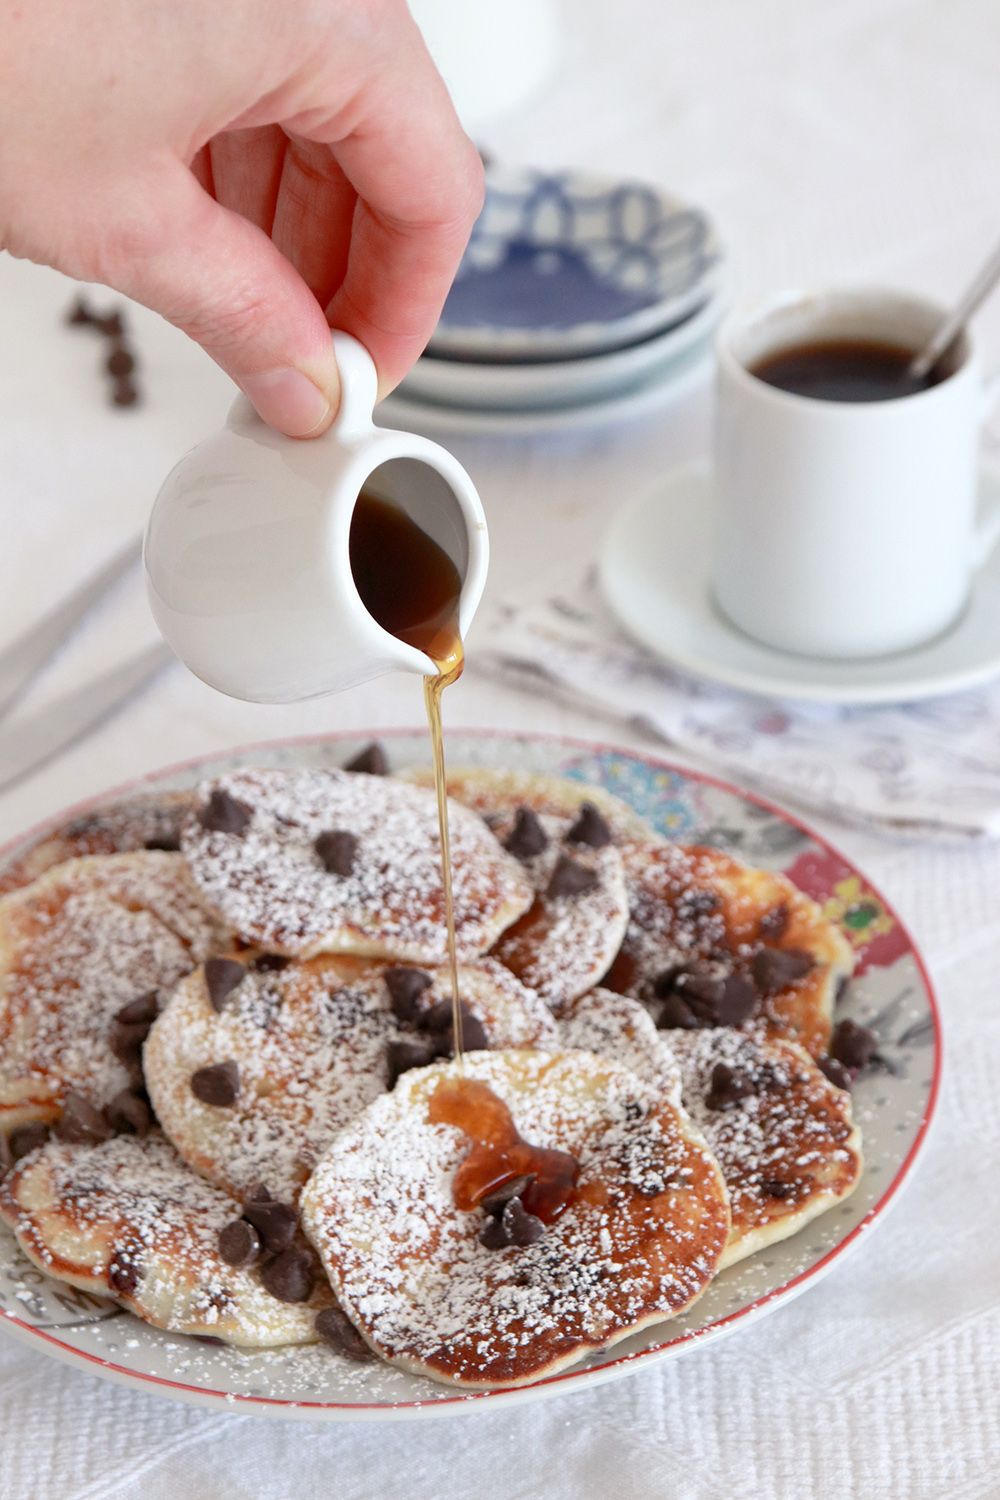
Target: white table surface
column 856, row 141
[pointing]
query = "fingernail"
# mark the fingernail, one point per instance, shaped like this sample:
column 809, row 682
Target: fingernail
column 288, row 400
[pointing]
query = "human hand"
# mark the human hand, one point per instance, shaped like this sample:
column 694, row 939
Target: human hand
column 256, row 172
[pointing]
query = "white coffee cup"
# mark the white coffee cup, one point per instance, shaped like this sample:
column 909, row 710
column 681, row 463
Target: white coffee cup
column 247, row 549
column 846, row 529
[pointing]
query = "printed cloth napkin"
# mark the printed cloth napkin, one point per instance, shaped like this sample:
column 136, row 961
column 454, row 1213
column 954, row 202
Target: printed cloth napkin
column 922, row 769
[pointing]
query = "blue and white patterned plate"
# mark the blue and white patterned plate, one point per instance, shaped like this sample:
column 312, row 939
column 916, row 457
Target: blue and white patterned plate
column 890, row 992
column 563, row 264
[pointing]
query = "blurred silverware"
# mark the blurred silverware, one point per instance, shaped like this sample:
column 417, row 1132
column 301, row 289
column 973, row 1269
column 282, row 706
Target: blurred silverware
column 25, row 656
column 950, row 327
column 28, row 745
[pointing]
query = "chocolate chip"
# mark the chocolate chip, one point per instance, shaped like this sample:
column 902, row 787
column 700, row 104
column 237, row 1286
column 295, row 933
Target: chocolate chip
column 371, row 761
column 775, row 969
column 727, row 1087
column 81, row 1123
column 120, row 361
column 406, row 1053
column 125, row 393
column 571, row 879
column 126, row 1042
column 853, row 1045
column 167, row 844
column 140, row 1012
column 474, row 1038
column 222, row 976
column 259, row 1194
column 269, row 963
column 493, row 1235
column 276, row 1223
column 239, row 1244
column 336, row 850
column 128, row 1113
column 737, row 1002
column 662, row 983
column 495, row 1202
column 590, row 828
column 676, row 1014
column 438, row 1019
column 773, row 1187
column 836, row 1072
column 80, row 315
column 225, row 814
column 338, row 1332
column 124, row 1272
column 772, row 925
column 6, row 1155
column 112, row 325
column 521, row 1227
column 405, row 986
column 702, row 993
column 290, row 1276
column 527, row 837
column 218, row 1084
column 27, row 1138
column 843, row 985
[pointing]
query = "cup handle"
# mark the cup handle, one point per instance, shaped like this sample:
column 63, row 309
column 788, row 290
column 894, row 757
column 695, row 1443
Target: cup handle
column 358, row 385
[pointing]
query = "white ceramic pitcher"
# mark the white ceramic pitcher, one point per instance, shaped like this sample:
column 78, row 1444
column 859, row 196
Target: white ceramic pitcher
column 246, row 550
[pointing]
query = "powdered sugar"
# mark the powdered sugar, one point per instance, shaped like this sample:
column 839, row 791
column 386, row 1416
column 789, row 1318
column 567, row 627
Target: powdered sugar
column 271, row 886
column 130, row 1220
column 564, row 945
column 637, row 1245
column 76, row 946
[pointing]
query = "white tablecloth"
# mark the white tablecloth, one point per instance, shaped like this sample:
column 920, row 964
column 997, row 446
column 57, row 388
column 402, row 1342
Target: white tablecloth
column 834, row 142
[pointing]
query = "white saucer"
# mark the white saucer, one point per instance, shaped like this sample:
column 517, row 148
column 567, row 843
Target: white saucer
column 660, row 388
column 654, row 571
column 473, row 386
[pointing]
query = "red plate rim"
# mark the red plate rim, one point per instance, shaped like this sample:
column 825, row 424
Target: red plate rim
column 468, row 1399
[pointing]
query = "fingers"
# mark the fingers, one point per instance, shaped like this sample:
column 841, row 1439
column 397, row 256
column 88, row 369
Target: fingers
column 314, row 215
column 220, row 279
column 246, row 171
column 420, row 185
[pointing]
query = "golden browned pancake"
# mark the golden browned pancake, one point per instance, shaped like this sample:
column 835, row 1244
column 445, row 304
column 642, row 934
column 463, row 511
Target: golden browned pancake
column 497, row 794
column 782, row 1133
column 314, row 1044
column 149, row 821
column 310, row 861
column 698, row 917
column 639, row 1242
column 127, row 1219
column 567, row 939
column 87, row 938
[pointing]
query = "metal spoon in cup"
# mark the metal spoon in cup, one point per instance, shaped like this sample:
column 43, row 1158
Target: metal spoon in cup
column 950, row 327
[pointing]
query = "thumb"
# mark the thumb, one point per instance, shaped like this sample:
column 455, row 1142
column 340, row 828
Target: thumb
column 219, row 278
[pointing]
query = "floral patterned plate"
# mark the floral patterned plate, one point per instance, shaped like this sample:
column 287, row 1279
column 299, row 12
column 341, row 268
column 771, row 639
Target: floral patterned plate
column 891, row 993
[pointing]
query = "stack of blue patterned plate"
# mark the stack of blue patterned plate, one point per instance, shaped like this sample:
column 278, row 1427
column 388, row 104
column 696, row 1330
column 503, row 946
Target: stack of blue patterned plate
column 579, row 297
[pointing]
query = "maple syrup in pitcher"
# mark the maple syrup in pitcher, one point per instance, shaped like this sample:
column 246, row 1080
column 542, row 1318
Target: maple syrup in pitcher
column 409, row 584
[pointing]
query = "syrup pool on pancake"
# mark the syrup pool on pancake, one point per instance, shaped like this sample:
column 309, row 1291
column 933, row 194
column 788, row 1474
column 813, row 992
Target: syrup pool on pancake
column 409, row 584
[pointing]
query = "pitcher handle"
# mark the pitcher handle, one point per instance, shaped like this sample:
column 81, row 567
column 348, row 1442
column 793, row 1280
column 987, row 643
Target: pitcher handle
column 358, row 386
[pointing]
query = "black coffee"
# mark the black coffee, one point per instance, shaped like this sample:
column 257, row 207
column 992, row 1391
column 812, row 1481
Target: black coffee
column 843, row 370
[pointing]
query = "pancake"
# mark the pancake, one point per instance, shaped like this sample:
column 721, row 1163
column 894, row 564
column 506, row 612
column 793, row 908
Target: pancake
column 127, row 1219
column 252, row 847
column 497, row 794
column 638, row 1244
column 781, row 1132
column 621, row 1029
column 788, row 1149
column 87, row 938
column 151, row 821
column 564, row 944
column 314, row 1043
column 699, row 910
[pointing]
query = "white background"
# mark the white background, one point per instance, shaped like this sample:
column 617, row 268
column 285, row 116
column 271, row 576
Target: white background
column 856, row 141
